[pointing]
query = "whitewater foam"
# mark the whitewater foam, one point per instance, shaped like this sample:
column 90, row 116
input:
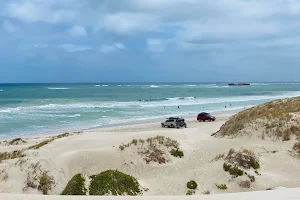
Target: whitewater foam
column 154, row 86
column 97, row 85
column 1, row 90
column 260, row 84
column 55, row 88
column 104, row 85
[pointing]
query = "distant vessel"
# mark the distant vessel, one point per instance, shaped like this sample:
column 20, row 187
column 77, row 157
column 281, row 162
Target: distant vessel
column 237, row 84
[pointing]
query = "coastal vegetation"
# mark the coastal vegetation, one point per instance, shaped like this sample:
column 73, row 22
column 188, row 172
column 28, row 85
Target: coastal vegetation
column 222, row 186
column 38, row 178
column 245, row 184
column 192, row 185
column 243, row 158
column 113, row 182
column 277, row 119
column 296, row 149
column 20, row 153
column 155, row 149
column 190, row 192
column 76, row 186
column 177, row 153
column 17, row 141
column 218, row 157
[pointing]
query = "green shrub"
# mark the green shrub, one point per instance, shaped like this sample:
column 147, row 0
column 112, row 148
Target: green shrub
column 257, row 173
column 236, row 171
column 252, row 178
column 177, row 153
column 121, row 147
column 222, row 186
column 226, row 167
column 190, row 192
column 75, row 186
column 191, row 185
column 115, row 183
column 134, row 141
column 255, row 164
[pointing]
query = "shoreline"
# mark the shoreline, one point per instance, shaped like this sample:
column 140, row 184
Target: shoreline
column 100, row 149
column 188, row 117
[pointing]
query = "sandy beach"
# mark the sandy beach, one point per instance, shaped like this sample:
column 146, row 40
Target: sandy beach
column 94, row 151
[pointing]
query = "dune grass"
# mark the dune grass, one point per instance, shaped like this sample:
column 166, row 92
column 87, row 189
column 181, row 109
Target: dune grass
column 20, row 153
column 155, row 149
column 17, row 141
column 296, row 149
column 276, row 119
column 245, row 184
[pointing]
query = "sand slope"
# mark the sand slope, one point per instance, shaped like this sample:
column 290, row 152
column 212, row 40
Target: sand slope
column 97, row 150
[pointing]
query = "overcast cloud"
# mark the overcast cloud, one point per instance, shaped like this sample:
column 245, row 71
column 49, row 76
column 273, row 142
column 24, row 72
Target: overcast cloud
column 149, row 40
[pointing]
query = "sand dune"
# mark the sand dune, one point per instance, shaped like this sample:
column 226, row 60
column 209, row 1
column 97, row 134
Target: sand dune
column 94, row 151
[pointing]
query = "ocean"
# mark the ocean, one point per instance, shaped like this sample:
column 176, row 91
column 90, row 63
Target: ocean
column 39, row 109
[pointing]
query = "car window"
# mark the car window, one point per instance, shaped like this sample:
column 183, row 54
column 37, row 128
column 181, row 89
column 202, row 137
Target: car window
column 170, row 120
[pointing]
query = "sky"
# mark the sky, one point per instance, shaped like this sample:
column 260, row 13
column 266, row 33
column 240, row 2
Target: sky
column 149, row 41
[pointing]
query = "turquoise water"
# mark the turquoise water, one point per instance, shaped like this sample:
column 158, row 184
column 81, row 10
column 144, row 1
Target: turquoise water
column 37, row 109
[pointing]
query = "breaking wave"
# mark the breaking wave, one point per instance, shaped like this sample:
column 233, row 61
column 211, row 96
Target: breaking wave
column 55, row 88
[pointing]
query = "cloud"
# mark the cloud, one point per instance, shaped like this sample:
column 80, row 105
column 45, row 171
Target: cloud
column 125, row 23
column 9, row 27
column 38, row 11
column 73, row 48
column 155, row 45
column 40, row 45
column 77, row 31
column 112, row 48
column 200, row 32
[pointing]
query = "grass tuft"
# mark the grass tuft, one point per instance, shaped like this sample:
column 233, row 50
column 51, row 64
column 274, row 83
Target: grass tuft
column 252, row 178
column 17, row 141
column 41, row 144
column 245, row 184
column 222, row 186
column 296, row 149
column 190, row 192
column 45, row 183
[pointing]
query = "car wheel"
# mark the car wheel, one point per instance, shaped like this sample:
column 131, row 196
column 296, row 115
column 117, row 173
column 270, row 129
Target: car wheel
column 177, row 127
column 172, row 126
column 185, row 126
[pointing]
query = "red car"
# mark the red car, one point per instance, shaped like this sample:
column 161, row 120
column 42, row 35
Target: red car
column 205, row 117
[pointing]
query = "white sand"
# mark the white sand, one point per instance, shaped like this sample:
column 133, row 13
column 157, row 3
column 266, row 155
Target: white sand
column 98, row 150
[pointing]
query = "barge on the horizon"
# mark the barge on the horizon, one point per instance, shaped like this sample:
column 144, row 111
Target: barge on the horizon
column 237, row 84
